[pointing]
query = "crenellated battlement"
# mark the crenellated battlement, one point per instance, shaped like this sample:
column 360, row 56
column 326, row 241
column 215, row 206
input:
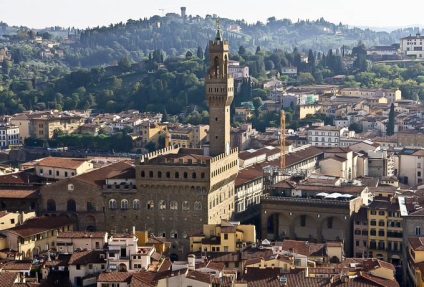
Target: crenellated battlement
column 223, row 155
column 169, row 150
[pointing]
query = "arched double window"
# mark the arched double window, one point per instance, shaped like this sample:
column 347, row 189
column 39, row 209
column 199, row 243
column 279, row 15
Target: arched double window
column 124, row 204
column 162, row 204
column 136, row 204
column 112, row 204
column 173, row 205
column 150, row 204
column 185, row 205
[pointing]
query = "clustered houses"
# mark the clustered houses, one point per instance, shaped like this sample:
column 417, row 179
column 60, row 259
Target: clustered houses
column 117, row 223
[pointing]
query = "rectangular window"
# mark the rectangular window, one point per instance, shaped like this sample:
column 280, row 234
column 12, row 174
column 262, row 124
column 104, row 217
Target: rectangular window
column 225, row 236
column 57, row 172
column 417, row 230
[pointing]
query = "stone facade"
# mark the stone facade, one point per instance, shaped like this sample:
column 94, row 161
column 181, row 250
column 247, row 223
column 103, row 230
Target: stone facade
column 219, row 95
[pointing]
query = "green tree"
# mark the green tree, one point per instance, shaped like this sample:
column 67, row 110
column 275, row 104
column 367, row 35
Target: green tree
column 357, row 127
column 199, row 53
column 242, row 51
column 257, row 102
column 391, row 124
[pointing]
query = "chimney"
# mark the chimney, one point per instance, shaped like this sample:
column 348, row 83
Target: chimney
column 191, row 262
column 133, row 230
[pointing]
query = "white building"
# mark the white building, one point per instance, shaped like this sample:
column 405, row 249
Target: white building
column 328, row 136
column 411, row 165
column 9, row 135
column 412, row 46
column 237, row 70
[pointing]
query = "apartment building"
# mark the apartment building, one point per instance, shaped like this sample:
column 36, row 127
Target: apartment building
column 326, row 136
column 36, row 235
column 9, row 135
column 45, row 126
column 413, row 46
column 224, row 237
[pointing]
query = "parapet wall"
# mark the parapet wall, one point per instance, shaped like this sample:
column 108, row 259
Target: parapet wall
column 169, row 150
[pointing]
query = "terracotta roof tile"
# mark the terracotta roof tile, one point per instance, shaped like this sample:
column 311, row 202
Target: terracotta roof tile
column 38, row 225
column 8, row 278
column 86, row 257
column 17, row 265
column 115, row 277
column 30, row 193
column 62, row 162
column 417, row 243
column 122, row 169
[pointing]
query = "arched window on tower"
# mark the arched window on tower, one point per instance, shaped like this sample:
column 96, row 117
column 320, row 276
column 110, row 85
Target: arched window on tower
column 112, row 204
column 136, row 204
column 162, row 204
column 185, row 205
column 216, row 65
column 150, row 204
column 173, row 205
column 124, row 204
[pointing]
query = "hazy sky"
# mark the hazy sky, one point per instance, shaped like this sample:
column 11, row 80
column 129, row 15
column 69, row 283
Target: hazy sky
column 90, row 13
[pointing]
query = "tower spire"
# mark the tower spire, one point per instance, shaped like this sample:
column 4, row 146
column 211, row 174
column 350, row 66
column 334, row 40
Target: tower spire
column 218, row 36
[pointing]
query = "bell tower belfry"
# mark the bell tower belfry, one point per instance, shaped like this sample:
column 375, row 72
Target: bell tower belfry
column 219, row 95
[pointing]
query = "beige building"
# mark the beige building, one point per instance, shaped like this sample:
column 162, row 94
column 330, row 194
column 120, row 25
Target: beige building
column 60, row 167
column 305, row 110
column 224, row 237
column 44, row 126
column 373, row 95
column 410, row 138
column 12, row 219
column 415, row 265
column 69, row 241
column 188, row 136
column 36, row 235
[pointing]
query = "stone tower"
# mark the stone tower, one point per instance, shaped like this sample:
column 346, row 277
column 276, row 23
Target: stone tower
column 219, row 94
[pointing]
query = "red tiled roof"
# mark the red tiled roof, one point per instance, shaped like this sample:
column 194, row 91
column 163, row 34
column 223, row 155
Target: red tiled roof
column 62, row 162
column 22, row 177
column 86, row 257
column 19, row 193
column 38, row 225
column 17, row 265
column 417, row 243
column 115, row 277
column 8, row 278
column 98, row 176
column 199, row 276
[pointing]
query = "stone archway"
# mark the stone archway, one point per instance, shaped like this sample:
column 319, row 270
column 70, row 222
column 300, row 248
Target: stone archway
column 278, row 226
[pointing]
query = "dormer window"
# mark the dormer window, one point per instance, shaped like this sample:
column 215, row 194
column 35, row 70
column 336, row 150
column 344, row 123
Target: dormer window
column 70, row 187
